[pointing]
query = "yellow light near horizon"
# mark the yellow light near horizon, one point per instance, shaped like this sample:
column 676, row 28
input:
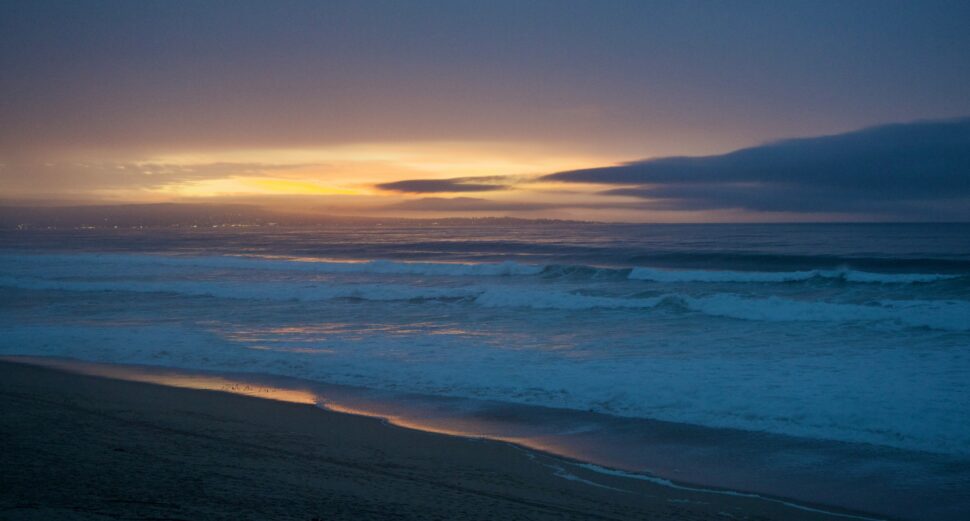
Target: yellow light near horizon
column 255, row 186
column 290, row 186
column 378, row 162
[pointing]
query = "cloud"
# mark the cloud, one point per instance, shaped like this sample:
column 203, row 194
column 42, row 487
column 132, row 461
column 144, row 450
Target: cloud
column 465, row 204
column 457, row 184
column 477, row 204
column 905, row 170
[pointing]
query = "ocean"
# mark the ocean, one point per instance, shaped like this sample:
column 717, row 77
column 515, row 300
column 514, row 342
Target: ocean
column 853, row 338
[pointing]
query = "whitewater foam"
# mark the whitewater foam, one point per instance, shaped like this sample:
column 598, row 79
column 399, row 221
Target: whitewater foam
column 671, row 484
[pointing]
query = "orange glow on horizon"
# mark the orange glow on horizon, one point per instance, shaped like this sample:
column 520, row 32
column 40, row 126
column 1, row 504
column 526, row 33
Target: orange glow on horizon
column 256, row 186
column 355, row 169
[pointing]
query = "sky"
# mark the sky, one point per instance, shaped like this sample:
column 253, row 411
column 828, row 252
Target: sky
column 627, row 111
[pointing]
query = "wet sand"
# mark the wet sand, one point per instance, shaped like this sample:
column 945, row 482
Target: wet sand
column 84, row 447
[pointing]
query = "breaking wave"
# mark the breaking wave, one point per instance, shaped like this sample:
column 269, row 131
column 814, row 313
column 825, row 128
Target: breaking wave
column 945, row 315
column 845, row 274
column 486, row 269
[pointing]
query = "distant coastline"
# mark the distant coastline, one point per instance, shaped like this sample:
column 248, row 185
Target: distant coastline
column 27, row 216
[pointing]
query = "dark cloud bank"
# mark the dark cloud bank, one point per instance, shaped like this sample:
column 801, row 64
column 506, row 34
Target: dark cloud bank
column 905, row 171
column 457, row 184
column 466, row 204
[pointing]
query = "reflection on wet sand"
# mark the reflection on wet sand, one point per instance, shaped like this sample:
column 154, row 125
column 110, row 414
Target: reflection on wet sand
column 172, row 378
column 336, row 400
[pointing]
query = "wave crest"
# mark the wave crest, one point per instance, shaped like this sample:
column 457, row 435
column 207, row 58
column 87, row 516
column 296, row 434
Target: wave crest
column 848, row 275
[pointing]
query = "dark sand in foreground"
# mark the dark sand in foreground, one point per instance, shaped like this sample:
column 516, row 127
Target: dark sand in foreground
column 82, row 447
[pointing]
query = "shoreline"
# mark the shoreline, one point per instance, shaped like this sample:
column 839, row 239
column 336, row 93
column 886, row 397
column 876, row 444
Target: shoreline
column 400, row 447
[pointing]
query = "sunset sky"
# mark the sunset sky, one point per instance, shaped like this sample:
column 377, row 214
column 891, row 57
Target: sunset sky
column 531, row 109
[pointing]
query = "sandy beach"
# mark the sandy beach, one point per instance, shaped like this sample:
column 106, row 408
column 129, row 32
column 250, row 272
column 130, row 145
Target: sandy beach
column 82, row 447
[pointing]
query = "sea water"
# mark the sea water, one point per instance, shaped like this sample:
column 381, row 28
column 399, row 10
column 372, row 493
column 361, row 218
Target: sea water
column 834, row 332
